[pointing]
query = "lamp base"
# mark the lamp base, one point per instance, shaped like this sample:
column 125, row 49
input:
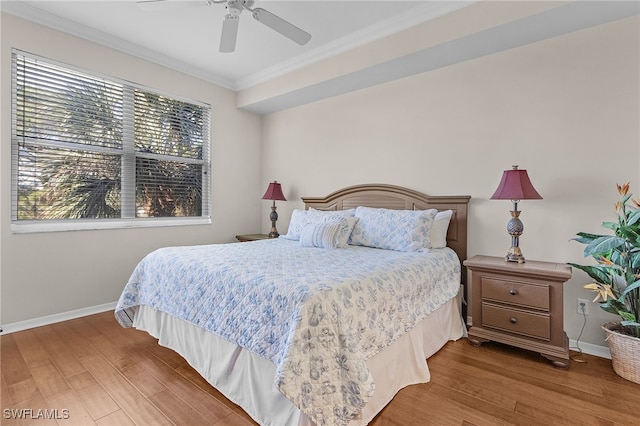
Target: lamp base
column 515, row 229
column 274, row 217
column 514, row 257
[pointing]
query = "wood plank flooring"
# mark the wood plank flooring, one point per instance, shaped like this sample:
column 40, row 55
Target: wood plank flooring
column 90, row 371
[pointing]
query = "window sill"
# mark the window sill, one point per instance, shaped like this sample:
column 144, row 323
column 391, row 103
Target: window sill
column 28, row 227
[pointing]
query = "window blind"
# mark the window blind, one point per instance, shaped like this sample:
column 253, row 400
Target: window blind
column 89, row 147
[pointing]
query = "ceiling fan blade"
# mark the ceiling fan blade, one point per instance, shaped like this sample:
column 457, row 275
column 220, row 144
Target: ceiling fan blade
column 152, row 5
column 229, row 33
column 278, row 24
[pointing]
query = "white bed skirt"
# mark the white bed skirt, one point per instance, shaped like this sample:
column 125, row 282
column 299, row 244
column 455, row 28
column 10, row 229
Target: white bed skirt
column 248, row 379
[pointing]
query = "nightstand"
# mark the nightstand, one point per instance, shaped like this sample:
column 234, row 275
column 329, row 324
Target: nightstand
column 519, row 304
column 251, row 237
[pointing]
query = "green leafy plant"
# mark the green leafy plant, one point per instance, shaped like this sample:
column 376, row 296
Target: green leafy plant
column 617, row 269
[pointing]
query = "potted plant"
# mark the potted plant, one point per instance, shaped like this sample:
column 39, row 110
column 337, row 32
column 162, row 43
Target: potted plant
column 617, row 282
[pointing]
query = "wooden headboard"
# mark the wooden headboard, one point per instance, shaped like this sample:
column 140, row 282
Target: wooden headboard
column 396, row 197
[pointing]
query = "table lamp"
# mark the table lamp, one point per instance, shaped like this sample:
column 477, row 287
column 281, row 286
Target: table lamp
column 515, row 186
column 274, row 192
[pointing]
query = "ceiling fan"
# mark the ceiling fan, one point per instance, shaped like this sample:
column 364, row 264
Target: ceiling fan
column 232, row 18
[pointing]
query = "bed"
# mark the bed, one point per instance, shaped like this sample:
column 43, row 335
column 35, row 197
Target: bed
column 324, row 325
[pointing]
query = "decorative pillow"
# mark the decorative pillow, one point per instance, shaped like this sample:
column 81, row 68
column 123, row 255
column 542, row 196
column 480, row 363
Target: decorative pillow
column 300, row 219
column 346, row 227
column 438, row 231
column 322, row 235
column 401, row 230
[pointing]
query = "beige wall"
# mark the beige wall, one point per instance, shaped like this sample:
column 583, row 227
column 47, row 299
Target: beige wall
column 51, row 273
column 566, row 109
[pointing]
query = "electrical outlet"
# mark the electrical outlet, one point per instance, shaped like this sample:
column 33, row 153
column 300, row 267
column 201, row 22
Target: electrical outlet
column 582, row 306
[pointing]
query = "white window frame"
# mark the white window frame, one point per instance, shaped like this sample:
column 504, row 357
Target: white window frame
column 128, row 154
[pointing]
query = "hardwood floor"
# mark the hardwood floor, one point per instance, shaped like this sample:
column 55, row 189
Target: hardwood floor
column 90, row 371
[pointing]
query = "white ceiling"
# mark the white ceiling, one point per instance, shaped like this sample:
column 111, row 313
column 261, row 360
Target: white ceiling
column 185, row 35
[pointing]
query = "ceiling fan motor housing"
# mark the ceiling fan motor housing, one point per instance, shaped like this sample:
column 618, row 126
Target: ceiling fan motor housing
column 235, row 7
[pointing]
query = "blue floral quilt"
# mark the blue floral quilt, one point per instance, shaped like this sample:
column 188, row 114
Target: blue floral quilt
column 317, row 314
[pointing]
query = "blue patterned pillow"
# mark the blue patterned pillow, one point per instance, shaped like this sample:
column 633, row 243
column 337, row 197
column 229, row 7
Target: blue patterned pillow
column 348, row 212
column 322, row 235
column 401, row 230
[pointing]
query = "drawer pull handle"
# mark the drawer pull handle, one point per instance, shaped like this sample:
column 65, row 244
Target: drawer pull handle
column 513, row 320
column 513, row 292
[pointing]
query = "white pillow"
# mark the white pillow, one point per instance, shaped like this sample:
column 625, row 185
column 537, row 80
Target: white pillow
column 401, row 230
column 438, row 231
column 296, row 224
column 322, row 235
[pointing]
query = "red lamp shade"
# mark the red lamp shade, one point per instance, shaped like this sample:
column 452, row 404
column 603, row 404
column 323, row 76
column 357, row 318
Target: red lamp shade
column 274, row 192
column 515, row 185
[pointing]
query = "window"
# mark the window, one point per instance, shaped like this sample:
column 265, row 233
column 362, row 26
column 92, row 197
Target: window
column 92, row 152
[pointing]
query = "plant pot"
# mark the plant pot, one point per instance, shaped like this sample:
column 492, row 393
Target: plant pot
column 625, row 352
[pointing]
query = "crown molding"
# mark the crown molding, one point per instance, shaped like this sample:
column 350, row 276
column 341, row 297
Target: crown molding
column 33, row 14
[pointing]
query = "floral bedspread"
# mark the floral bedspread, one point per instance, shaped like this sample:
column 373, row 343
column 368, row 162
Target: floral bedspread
column 317, row 314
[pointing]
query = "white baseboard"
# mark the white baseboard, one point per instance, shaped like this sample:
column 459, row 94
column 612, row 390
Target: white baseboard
column 591, row 349
column 51, row 319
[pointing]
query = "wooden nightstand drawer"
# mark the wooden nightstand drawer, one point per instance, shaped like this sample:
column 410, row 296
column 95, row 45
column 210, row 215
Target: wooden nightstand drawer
column 516, row 321
column 517, row 293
